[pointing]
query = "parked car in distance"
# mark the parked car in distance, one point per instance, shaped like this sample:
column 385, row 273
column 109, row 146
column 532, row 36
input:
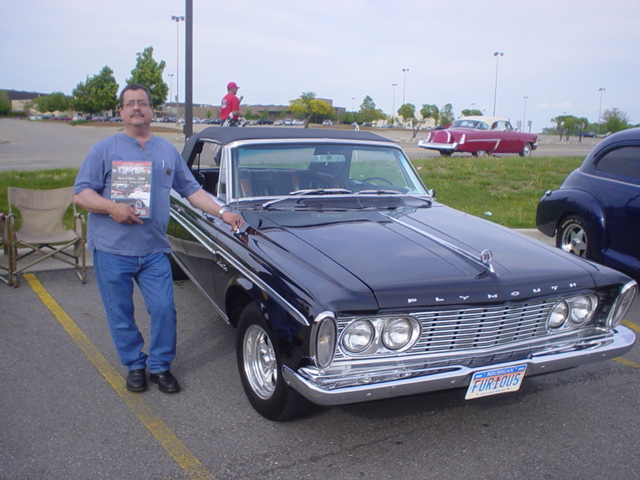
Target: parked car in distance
column 349, row 282
column 327, row 123
column 264, row 121
column 480, row 136
column 588, row 134
column 596, row 211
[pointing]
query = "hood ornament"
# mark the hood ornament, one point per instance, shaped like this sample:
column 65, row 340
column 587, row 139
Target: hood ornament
column 486, row 256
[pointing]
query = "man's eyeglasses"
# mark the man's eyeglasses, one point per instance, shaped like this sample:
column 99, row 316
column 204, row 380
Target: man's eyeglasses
column 132, row 103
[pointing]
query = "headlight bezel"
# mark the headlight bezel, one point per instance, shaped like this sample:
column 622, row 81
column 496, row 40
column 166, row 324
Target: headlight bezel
column 621, row 304
column 572, row 312
column 380, row 341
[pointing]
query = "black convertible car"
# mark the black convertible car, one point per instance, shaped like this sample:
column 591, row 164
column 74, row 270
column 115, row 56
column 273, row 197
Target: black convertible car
column 349, row 282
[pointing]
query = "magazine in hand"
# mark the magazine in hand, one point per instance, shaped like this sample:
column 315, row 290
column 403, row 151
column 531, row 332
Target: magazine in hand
column 131, row 183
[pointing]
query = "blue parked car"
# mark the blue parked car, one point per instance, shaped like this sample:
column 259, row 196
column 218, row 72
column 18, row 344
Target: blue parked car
column 596, row 211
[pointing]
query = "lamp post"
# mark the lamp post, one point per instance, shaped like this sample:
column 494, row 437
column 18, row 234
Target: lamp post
column 177, row 19
column 495, row 92
column 600, row 109
column 393, row 107
column 170, row 86
column 404, row 85
column 524, row 114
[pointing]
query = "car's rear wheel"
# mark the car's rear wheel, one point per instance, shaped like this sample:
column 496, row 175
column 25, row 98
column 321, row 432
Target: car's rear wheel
column 574, row 237
column 526, row 151
column 480, row 153
column 445, row 153
column 260, row 367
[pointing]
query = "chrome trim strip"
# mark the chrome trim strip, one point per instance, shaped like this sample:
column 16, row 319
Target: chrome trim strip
column 463, row 253
column 455, row 377
column 248, row 274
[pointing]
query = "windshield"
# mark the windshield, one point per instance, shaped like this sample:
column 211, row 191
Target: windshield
column 275, row 170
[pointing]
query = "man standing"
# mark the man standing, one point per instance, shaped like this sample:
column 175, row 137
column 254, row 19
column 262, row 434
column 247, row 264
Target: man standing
column 128, row 248
column 230, row 106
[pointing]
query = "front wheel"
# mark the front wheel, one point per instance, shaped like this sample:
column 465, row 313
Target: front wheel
column 260, row 368
column 574, row 237
column 526, row 151
column 480, row 153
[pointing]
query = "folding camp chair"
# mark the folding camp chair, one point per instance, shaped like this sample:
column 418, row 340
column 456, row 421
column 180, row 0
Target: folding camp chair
column 42, row 234
column 5, row 260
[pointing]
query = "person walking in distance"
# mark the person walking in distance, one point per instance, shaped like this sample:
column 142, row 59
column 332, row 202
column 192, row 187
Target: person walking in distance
column 129, row 243
column 230, row 106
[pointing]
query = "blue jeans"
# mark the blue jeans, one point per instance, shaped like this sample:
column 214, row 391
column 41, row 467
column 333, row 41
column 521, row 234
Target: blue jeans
column 152, row 274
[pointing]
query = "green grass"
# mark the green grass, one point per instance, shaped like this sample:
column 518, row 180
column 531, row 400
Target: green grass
column 507, row 187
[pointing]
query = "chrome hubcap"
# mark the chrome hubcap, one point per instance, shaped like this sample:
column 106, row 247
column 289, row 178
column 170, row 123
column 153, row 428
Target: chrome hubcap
column 260, row 362
column 574, row 240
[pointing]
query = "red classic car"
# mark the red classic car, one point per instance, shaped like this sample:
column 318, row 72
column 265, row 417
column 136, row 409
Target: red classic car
column 480, row 136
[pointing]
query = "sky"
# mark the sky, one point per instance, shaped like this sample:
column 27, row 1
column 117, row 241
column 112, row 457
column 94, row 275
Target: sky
column 557, row 54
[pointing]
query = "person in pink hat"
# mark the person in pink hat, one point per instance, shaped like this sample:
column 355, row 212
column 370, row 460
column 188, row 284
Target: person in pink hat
column 230, row 105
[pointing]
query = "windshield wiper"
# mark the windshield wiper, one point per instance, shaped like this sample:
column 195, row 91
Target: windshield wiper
column 310, row 191
column 379, row 191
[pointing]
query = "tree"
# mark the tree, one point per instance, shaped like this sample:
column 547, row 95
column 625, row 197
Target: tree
column 54, row 102
column 446, row 115
column 407, row 111
column 615, row 120
column 98, row 94
column 430, row 111
column 471, row 112
column 148, row 72
column 307, row 106
column 368, row 112
column 5, row 103
column 560, row 124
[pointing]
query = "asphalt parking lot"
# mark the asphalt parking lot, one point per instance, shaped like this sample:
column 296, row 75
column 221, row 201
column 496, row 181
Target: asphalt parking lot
column 65, row 414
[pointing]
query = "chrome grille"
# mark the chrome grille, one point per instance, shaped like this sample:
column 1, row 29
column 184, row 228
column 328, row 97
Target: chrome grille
column 469, row 329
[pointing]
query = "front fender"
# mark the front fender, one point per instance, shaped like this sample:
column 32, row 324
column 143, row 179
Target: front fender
column 555, row 205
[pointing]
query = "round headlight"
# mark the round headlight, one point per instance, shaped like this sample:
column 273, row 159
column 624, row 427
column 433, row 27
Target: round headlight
column 397, row 333
column 581, row 309
column 358, row 336
column 558, row 315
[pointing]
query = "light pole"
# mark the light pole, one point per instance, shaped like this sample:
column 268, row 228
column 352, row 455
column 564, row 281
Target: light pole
column 600, row 109
column 393, row 107
column 495, row 92
column 404, row 85
column 170, row 86
column 524, row 114
column 177, row 19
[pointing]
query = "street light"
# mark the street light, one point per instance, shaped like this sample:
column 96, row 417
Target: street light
column 393, row 108
column 524, row 115
column 177, row 19
column 170, row 86
column 404, row 85
column 495, row 92
column 600, row 109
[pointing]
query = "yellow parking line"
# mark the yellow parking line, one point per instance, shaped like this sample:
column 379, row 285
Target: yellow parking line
column 631, row 325
column 162, row 433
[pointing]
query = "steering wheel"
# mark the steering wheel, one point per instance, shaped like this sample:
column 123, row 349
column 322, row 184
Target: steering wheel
column 386, row 180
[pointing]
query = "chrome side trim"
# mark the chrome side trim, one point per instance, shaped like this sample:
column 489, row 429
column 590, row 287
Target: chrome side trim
column 431, row 380
column 463, row 253
column 295, row 313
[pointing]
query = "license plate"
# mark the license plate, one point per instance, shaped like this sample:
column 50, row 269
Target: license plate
column 492, row 382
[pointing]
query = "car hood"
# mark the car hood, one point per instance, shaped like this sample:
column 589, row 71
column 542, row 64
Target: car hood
column 418, row 256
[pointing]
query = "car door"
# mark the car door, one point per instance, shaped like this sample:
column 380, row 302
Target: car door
column 619, row 193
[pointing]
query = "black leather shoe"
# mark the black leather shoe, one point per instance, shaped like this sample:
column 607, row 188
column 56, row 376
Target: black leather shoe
column 167, row 383
column 137, row 380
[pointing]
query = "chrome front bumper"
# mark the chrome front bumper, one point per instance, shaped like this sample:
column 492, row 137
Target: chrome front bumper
column 438, row 146
column 431, row 380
